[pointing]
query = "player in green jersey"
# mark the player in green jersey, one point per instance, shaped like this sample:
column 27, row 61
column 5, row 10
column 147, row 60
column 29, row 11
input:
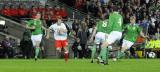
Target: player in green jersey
column 100, row 33
column 132, row 30
column 114, row 28
column 36, row 27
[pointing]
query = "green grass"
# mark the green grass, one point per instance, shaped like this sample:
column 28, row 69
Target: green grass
column 84, row 65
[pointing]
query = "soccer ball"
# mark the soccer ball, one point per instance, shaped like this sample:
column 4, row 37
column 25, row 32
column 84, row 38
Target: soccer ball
column 114, row 59
column 79, row 47
column 152, row 55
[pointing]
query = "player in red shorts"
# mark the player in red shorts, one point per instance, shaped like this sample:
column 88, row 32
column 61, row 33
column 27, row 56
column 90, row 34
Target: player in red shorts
column 60, row 36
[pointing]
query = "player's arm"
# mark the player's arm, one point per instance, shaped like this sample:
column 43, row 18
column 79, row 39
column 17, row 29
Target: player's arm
column 125, row 28
column 29, row 25
column 141, row 32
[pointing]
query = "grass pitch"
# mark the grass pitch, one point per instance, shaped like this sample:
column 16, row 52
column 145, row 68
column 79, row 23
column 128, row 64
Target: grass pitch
column 80, row 65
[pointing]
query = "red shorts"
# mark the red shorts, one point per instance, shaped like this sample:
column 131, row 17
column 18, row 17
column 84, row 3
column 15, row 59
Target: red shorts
column 61, row 43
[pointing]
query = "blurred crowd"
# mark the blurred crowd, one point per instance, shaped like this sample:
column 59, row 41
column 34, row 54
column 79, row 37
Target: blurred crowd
column 29, row 9
column 147, row 12
column 8, row 47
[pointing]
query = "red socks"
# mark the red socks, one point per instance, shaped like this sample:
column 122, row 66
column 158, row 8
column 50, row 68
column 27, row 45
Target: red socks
column 66, row 56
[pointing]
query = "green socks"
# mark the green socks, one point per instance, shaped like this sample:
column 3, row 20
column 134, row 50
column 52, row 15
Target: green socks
column 37, row 52
column 120, row 54
column 93, row 52
column 104, row 54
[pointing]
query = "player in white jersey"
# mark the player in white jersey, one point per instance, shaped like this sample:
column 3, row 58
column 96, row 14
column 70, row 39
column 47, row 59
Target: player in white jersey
column 60, row 36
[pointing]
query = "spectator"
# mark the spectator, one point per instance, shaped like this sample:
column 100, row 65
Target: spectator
column 57, row 11
column 7, row 48
column 86, row 7
column 47, row 15
column 76, row 26
column 5, row 11
column 93, row 8
column 67, row 27
column 83, row 36
column 42, row 44
column 26, row 45
column 40, row 9
column 76, row 48
column 63, row 13
column 145, row 24
column 1, row 50
column 79, row 3
column 53, row 17
column 32, row 12
column 13, row 11
column 22, row 12
column 69, row 23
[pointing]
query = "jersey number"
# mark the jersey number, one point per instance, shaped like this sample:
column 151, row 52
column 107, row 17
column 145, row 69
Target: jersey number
column 104, row 24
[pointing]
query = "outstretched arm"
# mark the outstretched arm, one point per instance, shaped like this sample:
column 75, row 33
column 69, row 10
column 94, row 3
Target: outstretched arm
column 30, row 27
column 142, row 34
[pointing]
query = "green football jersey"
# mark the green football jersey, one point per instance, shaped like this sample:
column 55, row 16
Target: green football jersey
column 132, row 32
column 102, row 26
column 38, row 26
column 115, row 22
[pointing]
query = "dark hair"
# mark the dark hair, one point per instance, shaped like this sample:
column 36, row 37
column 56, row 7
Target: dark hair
column 115, row 8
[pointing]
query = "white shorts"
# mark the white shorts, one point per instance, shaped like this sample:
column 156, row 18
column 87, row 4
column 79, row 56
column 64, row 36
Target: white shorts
column 127, row 43
column 100, row 37
column 36, row 38
column 113, row 36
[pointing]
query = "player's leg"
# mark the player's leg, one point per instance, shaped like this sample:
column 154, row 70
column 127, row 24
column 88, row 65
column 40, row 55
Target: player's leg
column 103, row 53
column 65, row 44
column 113, row 36
column 37, row 45
column 125, row 45
column 33, row 38
column 37, row 49
column 98, row 39
column 58, row 47
column 93, row 52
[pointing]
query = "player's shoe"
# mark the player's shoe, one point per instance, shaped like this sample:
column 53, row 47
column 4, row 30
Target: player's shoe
column 35, row 59
column 99, row 60
column 120, row 55
column 91, row 61
column 105, row 63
